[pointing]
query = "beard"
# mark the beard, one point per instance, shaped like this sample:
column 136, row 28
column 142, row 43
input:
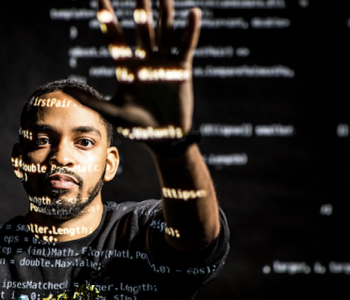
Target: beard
column 59, row 205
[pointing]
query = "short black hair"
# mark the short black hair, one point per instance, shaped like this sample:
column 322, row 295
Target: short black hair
column 59, row 85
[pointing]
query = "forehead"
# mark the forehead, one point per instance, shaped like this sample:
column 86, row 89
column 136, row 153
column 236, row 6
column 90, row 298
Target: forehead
column 64, row 112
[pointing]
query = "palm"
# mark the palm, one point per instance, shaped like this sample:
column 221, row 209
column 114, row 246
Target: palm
column 154, row 102
column 155, row 86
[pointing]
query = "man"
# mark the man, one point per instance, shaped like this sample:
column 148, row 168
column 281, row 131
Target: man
column 70, row 245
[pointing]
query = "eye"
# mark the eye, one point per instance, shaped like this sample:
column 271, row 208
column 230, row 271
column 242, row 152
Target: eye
column 41, row 141
column 86, row 143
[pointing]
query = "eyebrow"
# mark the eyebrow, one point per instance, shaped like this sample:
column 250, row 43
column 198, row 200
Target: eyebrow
column 79, row 129
column 87, row 129
column 38, row 127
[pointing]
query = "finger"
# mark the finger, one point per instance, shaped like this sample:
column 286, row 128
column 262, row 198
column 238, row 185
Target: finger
column 118, row 116
column 118, row 47
column 144, row 25
column 165, row 25
column 103, row 107
column 191, row 35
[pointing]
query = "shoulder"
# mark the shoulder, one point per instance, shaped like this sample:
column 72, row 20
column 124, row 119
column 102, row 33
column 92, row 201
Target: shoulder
column 12, row 233
column 17, row 224
column 131, row 205
column 128, row 220
column 144, row 209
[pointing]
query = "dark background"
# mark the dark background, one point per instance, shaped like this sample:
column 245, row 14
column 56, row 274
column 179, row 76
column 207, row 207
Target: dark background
column 287, row 201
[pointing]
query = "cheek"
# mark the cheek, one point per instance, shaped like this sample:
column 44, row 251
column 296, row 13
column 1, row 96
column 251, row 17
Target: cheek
column 33, row 166
column 90, row 170
column 37, row 158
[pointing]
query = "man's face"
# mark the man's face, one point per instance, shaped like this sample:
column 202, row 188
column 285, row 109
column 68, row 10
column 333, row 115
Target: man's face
column 64, row 155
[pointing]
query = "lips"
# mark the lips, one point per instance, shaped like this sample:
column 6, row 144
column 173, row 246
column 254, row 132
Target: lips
column 60, row 181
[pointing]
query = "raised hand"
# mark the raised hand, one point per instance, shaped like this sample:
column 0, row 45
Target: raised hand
column 154, row 99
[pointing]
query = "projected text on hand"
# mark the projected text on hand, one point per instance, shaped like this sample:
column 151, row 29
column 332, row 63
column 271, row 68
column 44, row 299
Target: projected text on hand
column 183, row 194
column 151, row 133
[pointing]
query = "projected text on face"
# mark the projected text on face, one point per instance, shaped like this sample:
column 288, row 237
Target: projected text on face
column 52, row 102
column 26, row 134
column 33, row 168
column 76, row 168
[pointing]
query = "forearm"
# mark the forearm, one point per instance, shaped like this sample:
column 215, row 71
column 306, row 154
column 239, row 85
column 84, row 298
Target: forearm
column 189, row 200
column 163, row 95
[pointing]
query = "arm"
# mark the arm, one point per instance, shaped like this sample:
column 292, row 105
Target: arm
column 154, row 103
column 193, row 222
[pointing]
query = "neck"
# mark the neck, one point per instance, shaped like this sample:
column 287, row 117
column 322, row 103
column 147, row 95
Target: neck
column 55, row 230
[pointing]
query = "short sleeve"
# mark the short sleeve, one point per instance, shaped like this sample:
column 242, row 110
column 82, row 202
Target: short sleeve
column 192, row 268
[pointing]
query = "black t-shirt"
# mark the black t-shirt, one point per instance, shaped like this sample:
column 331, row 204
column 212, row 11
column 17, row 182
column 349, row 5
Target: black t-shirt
column 125, row 258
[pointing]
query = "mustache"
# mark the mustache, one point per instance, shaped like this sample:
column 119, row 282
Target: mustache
column 61, row 171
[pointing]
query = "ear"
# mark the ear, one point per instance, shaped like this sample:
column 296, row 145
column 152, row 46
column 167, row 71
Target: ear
column 16, row 160
column 112, row 163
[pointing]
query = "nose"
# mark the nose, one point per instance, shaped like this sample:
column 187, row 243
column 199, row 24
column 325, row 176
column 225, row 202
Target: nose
column 62, row 155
